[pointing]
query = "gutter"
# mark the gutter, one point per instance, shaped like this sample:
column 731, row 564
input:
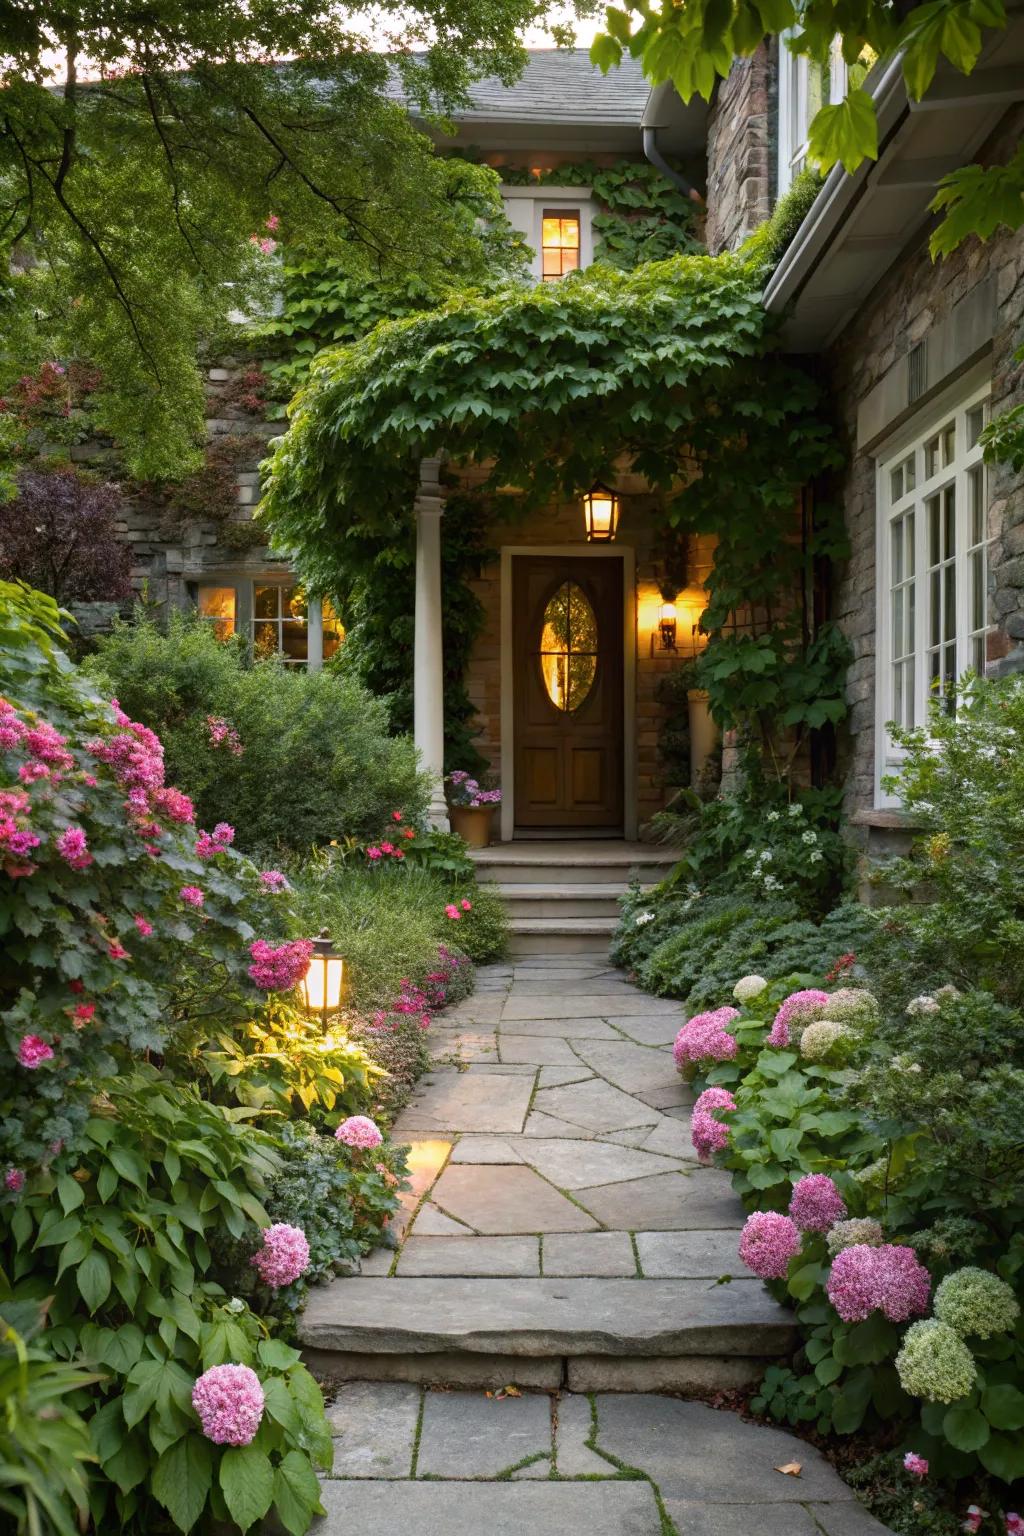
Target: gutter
column 840, row 191
column 649, row 135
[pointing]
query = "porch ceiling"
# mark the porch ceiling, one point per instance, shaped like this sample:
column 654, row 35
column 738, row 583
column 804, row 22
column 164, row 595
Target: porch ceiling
column 859, row 224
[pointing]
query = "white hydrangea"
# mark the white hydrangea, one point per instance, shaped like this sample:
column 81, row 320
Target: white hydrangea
column 771, row 816
column 771, row 884
column 809, row 836
column 854, row 1005
column 826, row 1040
column 796, row 810
column 642, row 919
column 816, row 857
column 748, row 987
column 919, row 1007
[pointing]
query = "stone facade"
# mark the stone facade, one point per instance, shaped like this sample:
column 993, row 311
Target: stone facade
column 912, row 304
column 739, row 185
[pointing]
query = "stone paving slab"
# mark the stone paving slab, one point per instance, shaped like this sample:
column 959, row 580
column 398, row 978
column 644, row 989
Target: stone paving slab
column 540, row 1124
column 484, row 1149
column 468, row 1101
column 739, row 1519
column 667, row 1255
column 574, row 1164
column 698, row 1200
column 490, row 1509
column 538, row 1050
column 651, row 1029
column 547, row 1317
column 597, row 1254
column 573, row 1455
column 498, row 1256
column 557, row 1077
column 579, row 1028
column 587, row 1006
column 374, row 1428
column 673, row 1138
column 500, row 1200
column 633, row 1068
column 430, row 1222
column 700, row 1454
column 467, row 1434
column 596, row 1106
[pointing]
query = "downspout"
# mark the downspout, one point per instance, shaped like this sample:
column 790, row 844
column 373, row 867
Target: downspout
column 657, row 159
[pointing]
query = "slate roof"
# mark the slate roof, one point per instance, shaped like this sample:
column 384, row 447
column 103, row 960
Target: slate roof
column 562, row 86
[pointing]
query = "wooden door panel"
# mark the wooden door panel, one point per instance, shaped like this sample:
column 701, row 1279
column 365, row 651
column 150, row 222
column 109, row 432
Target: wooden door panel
column 568, row 691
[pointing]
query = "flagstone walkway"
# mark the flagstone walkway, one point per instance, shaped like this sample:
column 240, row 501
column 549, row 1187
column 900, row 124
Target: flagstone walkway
column 561, row 1235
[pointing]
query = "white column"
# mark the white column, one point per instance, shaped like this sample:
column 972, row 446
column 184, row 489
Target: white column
column 428, row 675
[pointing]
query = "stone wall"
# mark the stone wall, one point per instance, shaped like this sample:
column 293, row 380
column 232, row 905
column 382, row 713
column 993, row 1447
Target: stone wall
column 739, row 194
column 914, row 301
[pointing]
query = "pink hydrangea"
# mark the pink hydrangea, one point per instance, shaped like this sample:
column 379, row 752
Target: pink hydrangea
column 192, row 896
column 144, row 927
column 74, row 848
column 888, row 1278
column 705, row 1038
column 280, row 969
column 767, row 1243
column 284, row 1255
column 14, row 1180
column 229, row 1402
column 916, row 1465
column 806, row 1005
column 33, row 1051
column 359, row 1131
column 816, row 1204
column 273, row 880
column 708, row 1134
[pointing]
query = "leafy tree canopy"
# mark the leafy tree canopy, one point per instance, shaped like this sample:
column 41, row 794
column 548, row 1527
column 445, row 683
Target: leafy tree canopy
column 693, row 44
column 152, row 158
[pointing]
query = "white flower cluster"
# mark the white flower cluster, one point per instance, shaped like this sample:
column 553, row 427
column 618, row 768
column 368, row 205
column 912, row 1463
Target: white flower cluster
column 642, row 919
column 748, row 987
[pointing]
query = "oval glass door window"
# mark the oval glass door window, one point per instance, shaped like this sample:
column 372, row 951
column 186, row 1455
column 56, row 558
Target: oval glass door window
column 568, row 647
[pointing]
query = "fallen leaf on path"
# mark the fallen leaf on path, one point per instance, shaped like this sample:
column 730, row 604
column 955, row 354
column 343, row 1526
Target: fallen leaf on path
column 789, row 1469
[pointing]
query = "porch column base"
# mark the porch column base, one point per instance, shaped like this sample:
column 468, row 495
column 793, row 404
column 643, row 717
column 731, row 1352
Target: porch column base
column 428, row 656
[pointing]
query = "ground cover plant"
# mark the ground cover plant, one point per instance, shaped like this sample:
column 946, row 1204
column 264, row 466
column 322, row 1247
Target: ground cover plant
column 168, row 1112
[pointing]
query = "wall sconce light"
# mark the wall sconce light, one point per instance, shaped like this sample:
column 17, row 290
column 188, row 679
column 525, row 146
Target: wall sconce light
column 601, row 510
column 667, row 626
column 323, row 981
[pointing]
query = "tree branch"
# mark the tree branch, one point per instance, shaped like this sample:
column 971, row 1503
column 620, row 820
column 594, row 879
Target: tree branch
column 172, row 170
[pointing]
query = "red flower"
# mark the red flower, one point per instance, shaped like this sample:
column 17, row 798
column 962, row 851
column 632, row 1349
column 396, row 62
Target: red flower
column 83, row 1014
column 76, row 986
column 396, row 815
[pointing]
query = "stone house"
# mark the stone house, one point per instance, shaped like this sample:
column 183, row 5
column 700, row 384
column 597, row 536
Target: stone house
column 918, row 355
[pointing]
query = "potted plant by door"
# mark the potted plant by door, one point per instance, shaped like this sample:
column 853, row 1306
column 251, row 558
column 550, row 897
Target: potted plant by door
column 471, row 808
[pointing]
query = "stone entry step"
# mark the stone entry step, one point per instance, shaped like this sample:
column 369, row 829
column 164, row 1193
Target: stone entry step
column 582, row 899
column 547, row 1319
column 560, row 935
column 594, row 862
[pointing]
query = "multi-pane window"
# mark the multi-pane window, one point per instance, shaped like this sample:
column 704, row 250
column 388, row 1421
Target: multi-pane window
column 933, row 610
column 560, row 244
column 276, row 619
column 804, row 88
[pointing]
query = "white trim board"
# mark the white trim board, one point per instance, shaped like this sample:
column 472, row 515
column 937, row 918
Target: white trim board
column 627, row 555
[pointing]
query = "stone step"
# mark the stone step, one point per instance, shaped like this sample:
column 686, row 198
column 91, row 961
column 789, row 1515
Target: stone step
column 560, row 935
column 593, row 862
column 609, row 1330
column 585, row 899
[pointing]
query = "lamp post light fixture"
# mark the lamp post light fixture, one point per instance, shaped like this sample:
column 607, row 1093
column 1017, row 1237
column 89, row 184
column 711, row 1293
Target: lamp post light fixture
column 667, row 626
column 601, row 510
column 323, row 981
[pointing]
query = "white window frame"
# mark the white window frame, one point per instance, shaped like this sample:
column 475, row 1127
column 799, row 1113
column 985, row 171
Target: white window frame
column 245, row 591
column 794, row 106
column 526, row 207
column 967, row 465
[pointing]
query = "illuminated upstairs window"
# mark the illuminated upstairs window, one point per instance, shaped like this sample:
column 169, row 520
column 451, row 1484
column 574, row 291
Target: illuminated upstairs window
column 560, row 244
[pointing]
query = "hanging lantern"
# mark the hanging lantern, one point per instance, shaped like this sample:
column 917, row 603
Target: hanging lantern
column 601, row 510
column 667, row 626
column 323, row 981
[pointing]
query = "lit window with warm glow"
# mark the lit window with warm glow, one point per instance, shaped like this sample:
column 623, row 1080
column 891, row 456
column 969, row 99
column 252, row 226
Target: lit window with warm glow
column 334, row 630
column 279, row 624
column 218, row 604
column 560, row 244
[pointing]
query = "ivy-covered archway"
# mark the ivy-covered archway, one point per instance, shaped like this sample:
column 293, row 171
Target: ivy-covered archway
column 672, row 367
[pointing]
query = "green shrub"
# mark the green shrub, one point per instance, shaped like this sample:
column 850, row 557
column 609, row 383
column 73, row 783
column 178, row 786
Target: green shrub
column 316, row 761
column 482, row 932
column 401, row 1046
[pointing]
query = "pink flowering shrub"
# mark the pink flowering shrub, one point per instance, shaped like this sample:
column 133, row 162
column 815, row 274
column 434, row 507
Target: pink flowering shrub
column 284, row 1255
column 816, row 1204
column 767, row 1244
column 799, row 1008
column 709, row 1134
column 360, row 1133
column 281, row 968
column 229, row 1401
column 889, row 1279
column 705, row 1039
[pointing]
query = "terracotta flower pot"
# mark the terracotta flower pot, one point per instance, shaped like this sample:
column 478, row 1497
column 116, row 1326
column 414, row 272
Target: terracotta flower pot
column 473, row 824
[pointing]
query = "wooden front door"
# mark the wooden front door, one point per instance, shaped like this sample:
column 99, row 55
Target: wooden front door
column 568, row 656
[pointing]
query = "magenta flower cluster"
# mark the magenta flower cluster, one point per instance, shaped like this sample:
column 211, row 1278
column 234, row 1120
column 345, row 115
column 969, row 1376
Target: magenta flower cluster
column 16, row 836
column 229, row 1401
column 916, row 1465
column 284, row 1255
column 708, row 1134
column 33, row 1051
column 466, row 791
column 280, row 969
column 74, row 848
column 273, row 880
column 705, row 1038
column 806, row 1005
column 359, row 1132
column 192, row 896
column 816, row 1203
column 223, row 734
column 767, row 1243
column 209, row 844
column 889, row 1278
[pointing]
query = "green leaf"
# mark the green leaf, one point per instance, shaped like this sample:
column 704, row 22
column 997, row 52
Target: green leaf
column 247, row 1482
column 182, row 1480
column 850, row 1405
column 846, row 133
column 1003, row 1456
column 1003, row 1406
column 605, row 53
column 128, row 1465
column 805, row 1281
column 93, row 1276
column 69, row 1193
column 278, row 1356
column 965, row 1428
column 296, row 1493
column 869, row 1342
